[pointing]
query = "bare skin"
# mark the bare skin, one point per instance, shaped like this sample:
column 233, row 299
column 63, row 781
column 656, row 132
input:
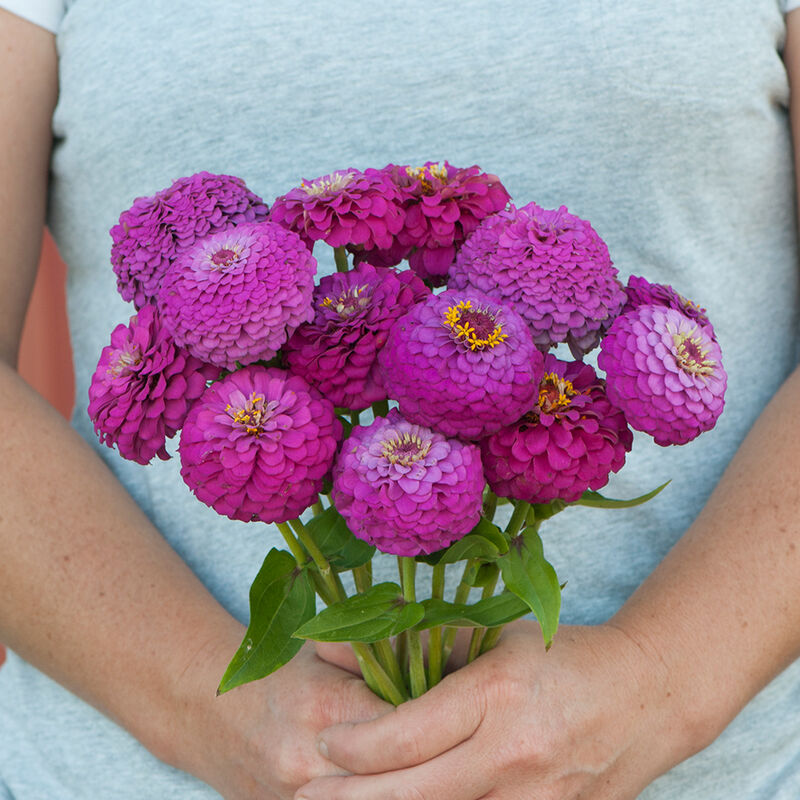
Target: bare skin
column 611, row 707
column 81, row 563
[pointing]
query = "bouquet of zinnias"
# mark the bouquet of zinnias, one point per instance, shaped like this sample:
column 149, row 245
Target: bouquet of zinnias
column 266, row 375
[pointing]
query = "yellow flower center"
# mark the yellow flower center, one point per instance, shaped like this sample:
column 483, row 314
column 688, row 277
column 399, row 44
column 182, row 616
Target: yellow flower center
column 330, row 183
column 476, row 327
column 426, row 176
column 691, row 356
column 124, row 359
column 225, row 256
column 555, row 393
column 405, row 449
column 349, row 302
column 251, row 415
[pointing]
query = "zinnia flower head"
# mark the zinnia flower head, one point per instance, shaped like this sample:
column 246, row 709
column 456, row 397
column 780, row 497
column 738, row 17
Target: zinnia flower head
column 405, row 488
column 443, row 204
column 552, row 267
column 664, row 370
column 257, row 445
column 238, row 294
column 640, row 292
column 337, row 351
column 142, row 388
column 346, row 208
column 461, row 363
column 571, row 440
column 155, row 230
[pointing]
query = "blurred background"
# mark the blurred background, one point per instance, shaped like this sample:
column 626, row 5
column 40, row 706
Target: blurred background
column 45, row 357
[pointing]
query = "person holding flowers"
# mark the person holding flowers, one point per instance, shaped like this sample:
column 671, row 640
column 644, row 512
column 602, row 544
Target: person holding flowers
column 123, row 597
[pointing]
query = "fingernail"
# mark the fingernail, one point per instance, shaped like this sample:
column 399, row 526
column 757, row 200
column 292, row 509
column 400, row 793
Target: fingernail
column 323, row 749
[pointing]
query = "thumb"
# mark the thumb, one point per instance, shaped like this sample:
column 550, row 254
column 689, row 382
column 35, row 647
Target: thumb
column 339, row 654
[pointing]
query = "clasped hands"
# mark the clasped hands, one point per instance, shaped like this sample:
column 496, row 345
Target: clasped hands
column 589, row 719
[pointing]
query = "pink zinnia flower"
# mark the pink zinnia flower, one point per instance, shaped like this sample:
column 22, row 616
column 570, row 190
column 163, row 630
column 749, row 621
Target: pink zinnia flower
column 347, row 207
column 337, row 352
column 257, row 445
column 238, row 294
column 461, row 363
column 155, row 230
column 664, row 370
column 640, row 292
column 443, row 204
column 552, row 267
column 571, row 440
column 405, row 488
column 143, row 387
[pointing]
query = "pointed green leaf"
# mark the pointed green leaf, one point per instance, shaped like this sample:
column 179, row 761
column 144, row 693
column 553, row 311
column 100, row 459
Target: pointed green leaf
column 485, row 541
column 281, row 599
column 531, row 577
column 596, row 500
column 342, row 549
column 378, row 613
column 488, row 613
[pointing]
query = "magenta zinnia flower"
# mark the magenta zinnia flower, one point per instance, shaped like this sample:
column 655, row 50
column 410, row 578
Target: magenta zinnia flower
column 443, row 204
column 238, row 294
column 337, row 352
column 461, row 363
column 347, row 207
column 640, row 292
column 664, row 370
column 156, row 229
column 406, row 489
column 143, row 387
column 257, row 445
column 552, row 267
column 570, row 441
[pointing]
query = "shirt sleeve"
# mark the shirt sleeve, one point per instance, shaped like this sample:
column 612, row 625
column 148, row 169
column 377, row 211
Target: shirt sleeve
column 46, row 13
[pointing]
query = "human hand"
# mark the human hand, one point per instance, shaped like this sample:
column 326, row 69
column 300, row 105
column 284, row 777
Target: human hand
column 594, row 718
column 260, row 740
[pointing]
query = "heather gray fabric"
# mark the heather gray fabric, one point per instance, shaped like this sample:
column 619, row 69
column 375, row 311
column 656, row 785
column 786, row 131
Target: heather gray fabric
column 667, row 130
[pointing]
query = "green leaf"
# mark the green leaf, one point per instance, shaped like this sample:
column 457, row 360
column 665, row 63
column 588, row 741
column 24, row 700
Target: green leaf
column 281, row 599
column 596, row 500
column 378, row 613
column 342, row 549
column 488, row 613
column 531, row 577
column 485, row 542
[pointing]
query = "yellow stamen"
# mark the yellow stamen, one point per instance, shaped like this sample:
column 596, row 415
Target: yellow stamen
column 405, row 449
column 465, row 332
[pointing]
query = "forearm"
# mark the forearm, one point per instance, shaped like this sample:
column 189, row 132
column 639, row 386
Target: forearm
column 722, row 611
column 92, row 594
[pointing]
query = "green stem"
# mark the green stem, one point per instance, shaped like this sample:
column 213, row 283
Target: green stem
column 332, row 591
column 299, row 554
column 518, row 518
column 355, row 417
column 340, row 257
column 375, row 675
column 491, row 637
column 362, row 576
column 435, row 653
column 416, row 666
column 380, row 408
column 317, row 508
column 478, row 633
column 489, row 504
column 462, row 595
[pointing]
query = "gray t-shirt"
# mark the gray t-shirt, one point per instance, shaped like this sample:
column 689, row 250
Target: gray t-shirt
column 667, row 129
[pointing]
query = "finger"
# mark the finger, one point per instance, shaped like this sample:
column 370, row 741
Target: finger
column 460, row 774
column 340, row 655
column 411, row 734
